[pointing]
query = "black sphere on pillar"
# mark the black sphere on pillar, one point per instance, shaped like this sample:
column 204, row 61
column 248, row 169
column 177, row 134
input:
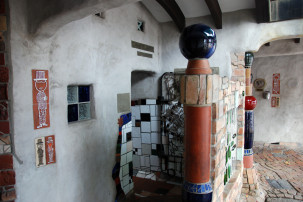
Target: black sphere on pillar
column 198, row 41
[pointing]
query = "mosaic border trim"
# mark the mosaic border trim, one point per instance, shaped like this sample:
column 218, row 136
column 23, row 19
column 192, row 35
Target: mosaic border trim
column 201, row 188
column 248, row 152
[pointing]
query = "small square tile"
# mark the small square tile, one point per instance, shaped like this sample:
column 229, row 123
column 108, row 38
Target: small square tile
column 147, row 161
column 137, row 142
column 151, row 101
column 154, row 146
column 154, row 160
column 145, row 116
column 126, row 189
column 155, row 126
column 136, row 132
column 152, row 110
column 142, row 161
column 125, row 180
column 131, row 186
column 125, row 169
column 136, row 161
column 155, row 118
column 145, row 127
column 136, row 112
column 129, row 146
column 144, row 109
column 155, row 138
column 146, row 149
column 139, row 151
column 145, row 138
column 138, row 123
column 133, row 120
column 123, row 160
column 129, row 157
column 123, row 149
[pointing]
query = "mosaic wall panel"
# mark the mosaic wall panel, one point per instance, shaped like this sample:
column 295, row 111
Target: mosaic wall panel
column 231, row 143
column 45, row 150
column 157, row 138
column 40, row 82
column 123, row 170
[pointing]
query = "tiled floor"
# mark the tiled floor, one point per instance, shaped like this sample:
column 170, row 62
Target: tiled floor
column 280, row 170
column 154, row 191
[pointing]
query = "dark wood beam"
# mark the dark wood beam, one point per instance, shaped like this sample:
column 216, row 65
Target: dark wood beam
column 262, row 11
column 216, row 13
column 173, row 9
column 297, row 40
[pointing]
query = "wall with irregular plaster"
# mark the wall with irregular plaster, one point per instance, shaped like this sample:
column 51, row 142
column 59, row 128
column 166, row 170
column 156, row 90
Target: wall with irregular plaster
column 98, row 52
column 240, row 33
column 91, row 51
column 280, row 124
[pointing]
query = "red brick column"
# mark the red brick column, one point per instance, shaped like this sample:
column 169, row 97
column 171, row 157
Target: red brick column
column 7, row 174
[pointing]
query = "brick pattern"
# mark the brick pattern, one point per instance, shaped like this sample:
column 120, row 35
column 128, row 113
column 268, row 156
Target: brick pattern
column 227, row 95
column 7, row 174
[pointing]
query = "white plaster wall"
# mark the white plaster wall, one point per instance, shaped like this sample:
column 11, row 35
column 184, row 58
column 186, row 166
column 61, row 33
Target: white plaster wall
column 240, row 33
column 283, row 124
column 88, row 51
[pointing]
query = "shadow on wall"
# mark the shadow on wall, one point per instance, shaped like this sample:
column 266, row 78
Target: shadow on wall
column 143, row 85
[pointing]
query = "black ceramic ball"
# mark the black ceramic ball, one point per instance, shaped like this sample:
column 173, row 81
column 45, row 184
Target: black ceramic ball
column 198, row 41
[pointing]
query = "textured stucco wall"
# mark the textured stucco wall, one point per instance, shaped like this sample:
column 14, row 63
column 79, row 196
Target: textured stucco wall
column 98, row 52
column 281, row 124
column 88, row 51
column 240, row 33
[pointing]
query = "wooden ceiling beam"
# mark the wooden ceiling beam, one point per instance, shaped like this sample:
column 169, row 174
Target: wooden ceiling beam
column 174, row 11
column 216, row 13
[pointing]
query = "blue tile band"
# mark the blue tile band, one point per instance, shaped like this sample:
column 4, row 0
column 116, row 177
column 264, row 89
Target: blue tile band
column 248, row 152
column 201, row 188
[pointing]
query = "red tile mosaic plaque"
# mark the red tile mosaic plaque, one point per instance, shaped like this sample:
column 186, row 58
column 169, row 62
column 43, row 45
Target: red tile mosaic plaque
column 40, row 82
column 50, row 150
column 45, row 150
column 275, row 101
column 276, row 84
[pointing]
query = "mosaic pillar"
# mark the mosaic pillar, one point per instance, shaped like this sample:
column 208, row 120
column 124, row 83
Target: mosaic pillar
column 197, row 44
column 250, row 104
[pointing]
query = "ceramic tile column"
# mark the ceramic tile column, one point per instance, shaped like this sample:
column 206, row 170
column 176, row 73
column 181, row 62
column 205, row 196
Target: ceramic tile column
column 250, row 104
column 197, row 44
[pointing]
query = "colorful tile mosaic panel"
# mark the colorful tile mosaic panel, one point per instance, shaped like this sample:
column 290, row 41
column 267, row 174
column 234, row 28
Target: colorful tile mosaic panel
column 45, row 150
column 123, row 170
column 40, row 81
column 157, row 138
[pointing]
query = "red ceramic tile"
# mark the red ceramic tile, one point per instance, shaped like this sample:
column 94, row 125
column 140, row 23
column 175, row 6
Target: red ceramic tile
column 4, row 127
column 2, row 59
column 2, row 46
column 40, row 82
column 6, row 162
column 50, row 149
column 7, row 178
column 4, row 74
column 3, row 111
column 3, row 92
